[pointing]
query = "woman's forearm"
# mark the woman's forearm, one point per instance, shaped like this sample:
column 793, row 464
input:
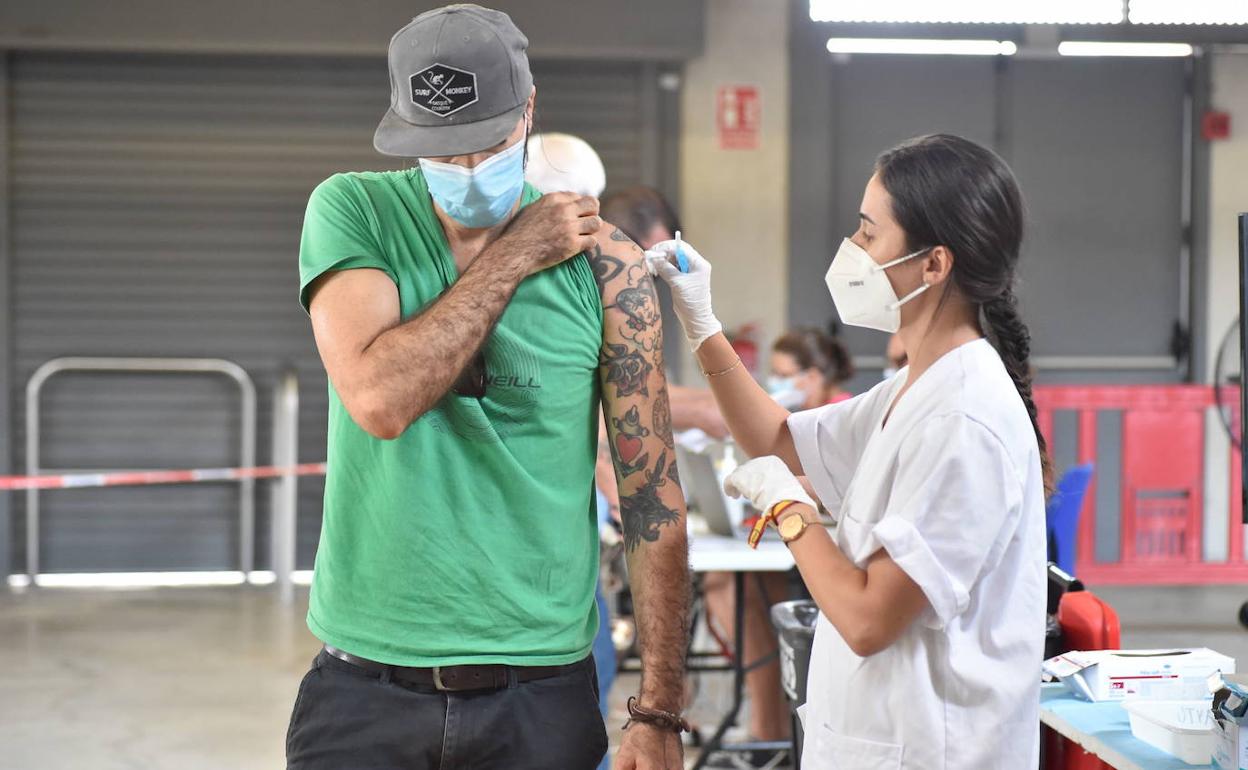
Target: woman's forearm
column 758, row 424
column 870, row 608
column 838, row 588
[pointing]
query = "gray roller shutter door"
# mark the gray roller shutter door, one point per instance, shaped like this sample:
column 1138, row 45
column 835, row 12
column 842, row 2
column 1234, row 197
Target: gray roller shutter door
column 157, row 203
column 608, row 105
column 1097, row 147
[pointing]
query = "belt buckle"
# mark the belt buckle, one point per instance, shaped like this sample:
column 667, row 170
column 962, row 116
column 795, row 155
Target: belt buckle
column 438, row 684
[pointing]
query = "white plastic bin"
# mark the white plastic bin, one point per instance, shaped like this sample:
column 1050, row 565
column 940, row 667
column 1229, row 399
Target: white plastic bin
column 1183, row 728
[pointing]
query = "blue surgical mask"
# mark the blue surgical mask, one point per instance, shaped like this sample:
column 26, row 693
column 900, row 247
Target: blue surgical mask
column 481, row 196
column 784, row 391
column 777, row 385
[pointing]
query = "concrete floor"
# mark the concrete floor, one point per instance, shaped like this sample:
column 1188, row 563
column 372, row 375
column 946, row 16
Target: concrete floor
column 194, row 678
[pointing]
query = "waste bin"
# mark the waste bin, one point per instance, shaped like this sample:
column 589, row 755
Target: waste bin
column 795, row 624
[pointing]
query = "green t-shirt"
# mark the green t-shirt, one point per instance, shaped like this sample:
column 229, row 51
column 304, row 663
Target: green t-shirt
column 471, row 538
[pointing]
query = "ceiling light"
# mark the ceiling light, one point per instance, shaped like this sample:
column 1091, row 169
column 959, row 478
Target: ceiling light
column 970, row 11
column 922, row 46
column 1093, row 48
column 1188, row 12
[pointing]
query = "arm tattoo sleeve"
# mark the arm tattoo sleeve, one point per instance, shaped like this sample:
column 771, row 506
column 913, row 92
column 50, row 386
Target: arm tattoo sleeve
column 638, row 411
column 639, row 428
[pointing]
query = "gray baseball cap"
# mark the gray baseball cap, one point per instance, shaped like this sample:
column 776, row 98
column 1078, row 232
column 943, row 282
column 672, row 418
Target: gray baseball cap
column 459, row 83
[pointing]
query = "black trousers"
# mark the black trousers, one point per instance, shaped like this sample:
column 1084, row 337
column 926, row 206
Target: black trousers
column 348, row 718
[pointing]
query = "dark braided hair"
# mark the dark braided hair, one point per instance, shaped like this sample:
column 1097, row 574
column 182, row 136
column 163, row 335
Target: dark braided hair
column 952, row 192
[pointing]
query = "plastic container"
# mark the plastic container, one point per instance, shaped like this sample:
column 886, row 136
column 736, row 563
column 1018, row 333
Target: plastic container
column 1183, row 728
column 795, row 622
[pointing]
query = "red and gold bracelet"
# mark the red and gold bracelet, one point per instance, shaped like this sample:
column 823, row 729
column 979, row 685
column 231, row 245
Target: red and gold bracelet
column 769, row 517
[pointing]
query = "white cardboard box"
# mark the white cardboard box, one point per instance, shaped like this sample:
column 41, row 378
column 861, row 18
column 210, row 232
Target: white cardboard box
column 1230, row 724
column 1181, row 728
column 1114, row 675
column 1229, row 750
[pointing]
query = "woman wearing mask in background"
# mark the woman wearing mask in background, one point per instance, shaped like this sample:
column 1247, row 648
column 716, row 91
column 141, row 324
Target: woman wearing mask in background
column 894, row 356
column 808, row 369
column 932, row 591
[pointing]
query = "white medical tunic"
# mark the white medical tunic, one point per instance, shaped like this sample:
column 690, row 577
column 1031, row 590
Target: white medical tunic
column 951, row 489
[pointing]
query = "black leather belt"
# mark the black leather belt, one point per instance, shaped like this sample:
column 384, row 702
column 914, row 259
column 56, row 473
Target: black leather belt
column 466, row 678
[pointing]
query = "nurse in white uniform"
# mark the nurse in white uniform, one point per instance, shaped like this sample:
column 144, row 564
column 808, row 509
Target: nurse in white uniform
column 931, row 587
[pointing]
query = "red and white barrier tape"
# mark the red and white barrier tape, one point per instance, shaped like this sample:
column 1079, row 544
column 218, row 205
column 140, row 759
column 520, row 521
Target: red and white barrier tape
column 144, row 478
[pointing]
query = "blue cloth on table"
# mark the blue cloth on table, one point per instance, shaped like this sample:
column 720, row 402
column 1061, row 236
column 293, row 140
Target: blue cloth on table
column 1110, row 724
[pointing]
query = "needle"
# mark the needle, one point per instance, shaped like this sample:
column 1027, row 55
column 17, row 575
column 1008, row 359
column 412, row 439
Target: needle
column 681, row 261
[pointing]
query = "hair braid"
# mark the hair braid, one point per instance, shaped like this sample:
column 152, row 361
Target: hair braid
column 1010, row 336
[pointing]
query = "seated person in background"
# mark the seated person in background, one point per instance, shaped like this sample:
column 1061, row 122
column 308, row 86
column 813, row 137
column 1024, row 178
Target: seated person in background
column 809, row 369
column 769, row 713
column 895, row 356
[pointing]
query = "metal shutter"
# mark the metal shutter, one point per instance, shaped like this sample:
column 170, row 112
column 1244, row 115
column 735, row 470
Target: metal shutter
column 607, row 105
column 156, row 207
column 1097, row 146
column 1103, row 185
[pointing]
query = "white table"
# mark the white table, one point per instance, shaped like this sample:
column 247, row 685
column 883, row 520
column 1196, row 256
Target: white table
column 718, row 553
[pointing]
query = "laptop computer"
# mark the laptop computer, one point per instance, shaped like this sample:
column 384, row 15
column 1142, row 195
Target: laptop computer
column 704, row 489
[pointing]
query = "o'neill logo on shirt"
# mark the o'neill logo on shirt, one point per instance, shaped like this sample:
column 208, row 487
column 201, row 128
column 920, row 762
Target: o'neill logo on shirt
column 443, row 90
column 513, row 381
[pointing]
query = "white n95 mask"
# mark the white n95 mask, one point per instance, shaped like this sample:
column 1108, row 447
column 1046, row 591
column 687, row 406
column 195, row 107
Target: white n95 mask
column 861, row 292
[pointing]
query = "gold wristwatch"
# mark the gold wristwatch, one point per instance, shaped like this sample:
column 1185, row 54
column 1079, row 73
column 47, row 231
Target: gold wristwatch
column 792, row 527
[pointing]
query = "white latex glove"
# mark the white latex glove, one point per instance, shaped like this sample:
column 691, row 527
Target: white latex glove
column 765, row 481
column 691, row 291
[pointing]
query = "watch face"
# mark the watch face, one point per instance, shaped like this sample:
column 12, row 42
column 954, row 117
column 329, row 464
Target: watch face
column 791, row 527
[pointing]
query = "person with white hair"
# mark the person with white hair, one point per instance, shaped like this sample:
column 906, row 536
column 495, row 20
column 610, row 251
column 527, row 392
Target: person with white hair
column 564, row 163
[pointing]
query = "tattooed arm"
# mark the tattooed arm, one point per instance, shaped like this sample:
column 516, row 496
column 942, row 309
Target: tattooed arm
column 652, row 507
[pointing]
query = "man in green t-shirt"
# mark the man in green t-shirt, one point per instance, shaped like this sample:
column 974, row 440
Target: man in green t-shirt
column 471, row 329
